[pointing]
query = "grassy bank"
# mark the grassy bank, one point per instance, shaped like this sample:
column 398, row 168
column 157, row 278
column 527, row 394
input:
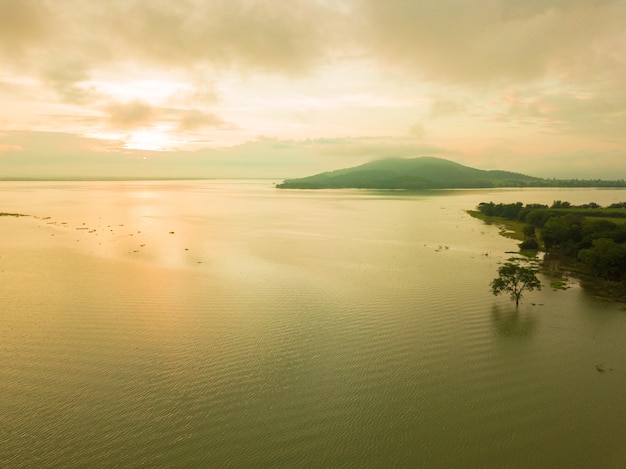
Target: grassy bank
column 509, row 228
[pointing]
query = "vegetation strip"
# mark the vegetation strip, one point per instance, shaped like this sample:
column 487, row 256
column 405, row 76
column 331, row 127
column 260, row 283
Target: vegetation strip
column 588, row 241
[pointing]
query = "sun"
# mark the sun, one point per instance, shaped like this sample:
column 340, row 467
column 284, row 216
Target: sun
column 153, row 139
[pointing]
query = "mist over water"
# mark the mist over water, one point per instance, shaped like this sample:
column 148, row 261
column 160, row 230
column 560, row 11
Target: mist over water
column 230, row 324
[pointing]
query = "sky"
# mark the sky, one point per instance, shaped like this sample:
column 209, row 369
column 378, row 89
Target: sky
column 288, row 88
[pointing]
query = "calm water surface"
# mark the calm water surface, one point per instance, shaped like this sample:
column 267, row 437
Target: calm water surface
column 228, row 324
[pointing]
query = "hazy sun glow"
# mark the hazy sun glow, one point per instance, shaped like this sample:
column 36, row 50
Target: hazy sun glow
column 155, row 139
column 155, row 92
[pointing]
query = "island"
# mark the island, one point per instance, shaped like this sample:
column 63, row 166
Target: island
column 428, row 173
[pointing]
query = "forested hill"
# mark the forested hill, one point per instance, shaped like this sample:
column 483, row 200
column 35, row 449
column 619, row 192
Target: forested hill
column 413, row 173
column 427, row 173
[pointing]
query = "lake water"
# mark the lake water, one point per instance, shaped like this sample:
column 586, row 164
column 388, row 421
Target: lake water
column 230, row 324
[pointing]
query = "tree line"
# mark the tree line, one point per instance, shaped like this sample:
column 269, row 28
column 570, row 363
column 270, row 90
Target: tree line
column 583, row 235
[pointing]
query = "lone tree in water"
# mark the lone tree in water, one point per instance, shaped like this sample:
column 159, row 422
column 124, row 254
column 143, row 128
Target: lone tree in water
column 514, row 279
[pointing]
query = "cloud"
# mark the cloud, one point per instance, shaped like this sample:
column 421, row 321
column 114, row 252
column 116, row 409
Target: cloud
column 23, row 24
column 193, row 119
column 370, row 148
column 417, row 130
column 57, row 155
column 441, row 107
column 580, row 164
column 270, row 35
column 64, row 44
column 66, row 156
column 131, row 115
column 276, row 36
column 596, row 111
column 220, row 72
column 201, row 91
column 490, row 41
column 64, row 76
column 140, row 114
column 455, row 41
column 6, row 148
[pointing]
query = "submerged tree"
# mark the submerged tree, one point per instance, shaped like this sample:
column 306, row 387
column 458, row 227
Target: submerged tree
column 515, row 278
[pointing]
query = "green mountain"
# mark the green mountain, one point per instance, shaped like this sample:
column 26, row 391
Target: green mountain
column 412, row 173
